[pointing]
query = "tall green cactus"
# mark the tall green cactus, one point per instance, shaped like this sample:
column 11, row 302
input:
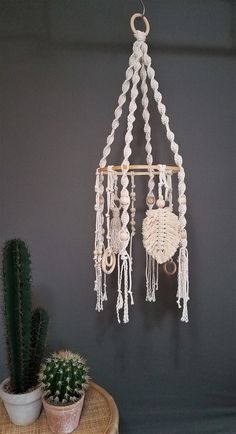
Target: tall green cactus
column 23, row 338
column 39, row 325
column 17, row 308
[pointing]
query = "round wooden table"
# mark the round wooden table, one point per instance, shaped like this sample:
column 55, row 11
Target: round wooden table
column 99, row 416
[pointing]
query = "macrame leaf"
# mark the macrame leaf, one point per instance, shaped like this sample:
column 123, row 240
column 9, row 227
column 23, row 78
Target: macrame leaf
column 161, row 234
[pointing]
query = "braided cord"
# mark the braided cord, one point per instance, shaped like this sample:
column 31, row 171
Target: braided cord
column 173, row 145
column 132, row 105
column 147, row 128
column 124, row 269
column 146, row 114
column 128, row 139
column 119, row 109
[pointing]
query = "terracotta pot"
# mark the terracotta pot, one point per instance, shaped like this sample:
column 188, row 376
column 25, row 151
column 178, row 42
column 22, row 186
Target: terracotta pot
column 22, row 408
column 63, row 419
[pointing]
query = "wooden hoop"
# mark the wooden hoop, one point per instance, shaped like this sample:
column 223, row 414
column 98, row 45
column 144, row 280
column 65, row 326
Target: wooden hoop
column 108, row 265
column 132, row 20
column 168, row 272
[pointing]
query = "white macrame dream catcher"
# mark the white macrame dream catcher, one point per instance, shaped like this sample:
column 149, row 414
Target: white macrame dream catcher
column 163, row 231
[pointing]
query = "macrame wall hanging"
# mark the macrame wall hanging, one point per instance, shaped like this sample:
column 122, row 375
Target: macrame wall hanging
column 163, row 230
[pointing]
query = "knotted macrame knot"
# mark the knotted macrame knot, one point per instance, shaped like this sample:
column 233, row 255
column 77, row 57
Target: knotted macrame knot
column 140, row 36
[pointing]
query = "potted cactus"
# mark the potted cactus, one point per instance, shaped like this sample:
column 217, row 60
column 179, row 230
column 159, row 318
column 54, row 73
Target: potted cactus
column 26, row 333
column 64, row 378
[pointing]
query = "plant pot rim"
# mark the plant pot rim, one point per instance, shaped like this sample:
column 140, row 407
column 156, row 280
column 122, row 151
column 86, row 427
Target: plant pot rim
column 17, row 398
column 61, row 408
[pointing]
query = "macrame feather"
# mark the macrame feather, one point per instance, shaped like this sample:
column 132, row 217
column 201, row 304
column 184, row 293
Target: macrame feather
column 161, row 234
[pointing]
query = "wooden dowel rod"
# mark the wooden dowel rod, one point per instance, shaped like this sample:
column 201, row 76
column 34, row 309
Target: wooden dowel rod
column 135, row 173
column 133, row 167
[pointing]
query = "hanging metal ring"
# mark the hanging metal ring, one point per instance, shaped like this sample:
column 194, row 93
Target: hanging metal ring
column 172, row 271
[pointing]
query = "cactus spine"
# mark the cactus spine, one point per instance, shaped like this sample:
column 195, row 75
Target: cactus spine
column 23, row 340
column 64, row 377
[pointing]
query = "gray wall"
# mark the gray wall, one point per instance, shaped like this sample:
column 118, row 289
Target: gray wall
column 62, row 64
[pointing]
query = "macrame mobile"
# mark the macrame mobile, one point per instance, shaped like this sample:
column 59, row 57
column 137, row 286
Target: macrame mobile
column 163, row 231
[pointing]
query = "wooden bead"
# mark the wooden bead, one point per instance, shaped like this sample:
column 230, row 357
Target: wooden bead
column 160, row 203
column 125, row 201
column 150, row 200
column 124, row 235
column 124, row 198
column 101, row 200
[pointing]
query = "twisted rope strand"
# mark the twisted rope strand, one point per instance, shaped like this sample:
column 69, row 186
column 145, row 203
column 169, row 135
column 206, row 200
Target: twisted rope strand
column 147, row 127
column 118, row 110
column 129, row 136
column 124, row 272
column 171, row 138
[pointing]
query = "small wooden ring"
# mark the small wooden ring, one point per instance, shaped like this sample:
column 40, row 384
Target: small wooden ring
column 168, row 272
column 109, row 260
column 108, row 266
column 146, row 22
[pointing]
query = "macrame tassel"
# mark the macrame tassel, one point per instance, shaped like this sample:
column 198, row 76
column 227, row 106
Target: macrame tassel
column 120, row 301
column 183, row 282
column 125, row 282
column 152, row 276
column 169, row 191
column 99, row 242
column 104, row 294
column 98, row 288
column 100, row 285
column 132, row 219
column 115, row 229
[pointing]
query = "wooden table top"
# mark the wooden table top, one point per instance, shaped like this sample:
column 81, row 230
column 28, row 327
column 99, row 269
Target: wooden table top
column 99, row 416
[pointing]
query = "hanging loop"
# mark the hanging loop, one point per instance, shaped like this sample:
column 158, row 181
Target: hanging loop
column 146, row 22
column 144, row 9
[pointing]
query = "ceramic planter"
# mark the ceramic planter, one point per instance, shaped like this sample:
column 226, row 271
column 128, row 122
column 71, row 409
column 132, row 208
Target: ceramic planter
column 63, row 419
column 22, row 408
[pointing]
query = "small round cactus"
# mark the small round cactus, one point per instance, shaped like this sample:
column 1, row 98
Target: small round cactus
column 64, row 378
